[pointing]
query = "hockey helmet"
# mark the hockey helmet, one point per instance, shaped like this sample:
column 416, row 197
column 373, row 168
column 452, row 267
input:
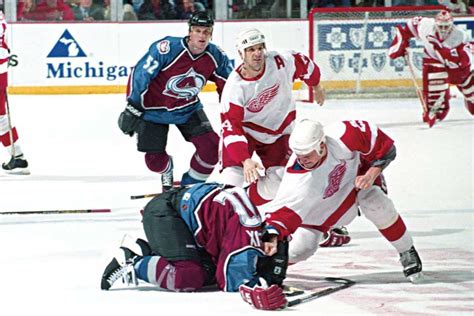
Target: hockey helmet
column 444, row 23
column 249, row 38
column 200, row 18
column 307, row 136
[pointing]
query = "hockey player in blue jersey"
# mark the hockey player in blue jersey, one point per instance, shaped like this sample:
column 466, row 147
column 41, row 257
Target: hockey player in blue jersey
column 163, row 89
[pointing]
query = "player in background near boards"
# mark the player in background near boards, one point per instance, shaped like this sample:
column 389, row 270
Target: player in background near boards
column 447, row 59
column 8, row 132
column 163, row 89
column 332, row 175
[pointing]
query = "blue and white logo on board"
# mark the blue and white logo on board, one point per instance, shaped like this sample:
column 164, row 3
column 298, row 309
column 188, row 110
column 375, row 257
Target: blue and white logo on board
column 66, row 46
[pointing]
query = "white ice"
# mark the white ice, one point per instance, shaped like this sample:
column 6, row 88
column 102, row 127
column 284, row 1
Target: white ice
column 51, row 264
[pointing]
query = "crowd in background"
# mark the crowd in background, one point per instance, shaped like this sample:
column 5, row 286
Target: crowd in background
column 97, row 10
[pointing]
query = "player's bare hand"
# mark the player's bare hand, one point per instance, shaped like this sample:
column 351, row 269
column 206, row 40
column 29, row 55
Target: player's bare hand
column 319, row 94
column 367, row 180
column 270, row 247
column 251, row 170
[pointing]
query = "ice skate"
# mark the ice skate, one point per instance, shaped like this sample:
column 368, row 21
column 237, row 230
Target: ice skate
column 167, row 177
column 16, row 165
column 412, row 266
column 121, row 267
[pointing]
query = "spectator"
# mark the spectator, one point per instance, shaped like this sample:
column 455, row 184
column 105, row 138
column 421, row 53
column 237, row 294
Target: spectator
column 455, row 6
column 129, row 12
column 156, row 10
column 87, row 10
column 184, row 9
column 51, row 10
column 25, row 7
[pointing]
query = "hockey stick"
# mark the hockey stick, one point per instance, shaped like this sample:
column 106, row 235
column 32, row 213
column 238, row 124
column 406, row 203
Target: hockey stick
column 419, row 92
column 150, row 195
column 10, row 128
column 341, row 285
column 58, row 212
column 144, row 196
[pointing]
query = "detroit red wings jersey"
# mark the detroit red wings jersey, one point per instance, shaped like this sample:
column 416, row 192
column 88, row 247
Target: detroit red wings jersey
column 263, row 107
column 457, row 42
column 3, row 44
column 326, row 196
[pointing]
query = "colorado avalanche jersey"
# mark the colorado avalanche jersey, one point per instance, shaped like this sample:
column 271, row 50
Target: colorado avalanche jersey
column 4, row 53
column 326, row 195
column 263, row 107
column 457, row 41
column 166, row 81
column 226, row 224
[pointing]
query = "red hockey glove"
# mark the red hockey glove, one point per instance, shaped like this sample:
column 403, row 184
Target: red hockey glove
column 335, row 237
column 398, row 47
column 263, row 297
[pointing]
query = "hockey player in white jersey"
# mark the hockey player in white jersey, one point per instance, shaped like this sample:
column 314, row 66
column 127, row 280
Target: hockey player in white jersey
column 331, row 176
column 447, row 59
column 258, row 114
column 8, row 132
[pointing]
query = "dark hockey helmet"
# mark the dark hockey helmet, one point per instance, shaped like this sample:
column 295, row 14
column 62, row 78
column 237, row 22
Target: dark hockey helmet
column 200, row 18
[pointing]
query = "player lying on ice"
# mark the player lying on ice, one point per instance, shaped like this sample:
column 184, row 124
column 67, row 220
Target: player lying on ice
column 204, row 235
column 329, row 178
column 447, row 59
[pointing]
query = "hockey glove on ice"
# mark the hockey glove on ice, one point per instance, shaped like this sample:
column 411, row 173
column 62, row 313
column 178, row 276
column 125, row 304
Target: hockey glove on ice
column 129, row 120
column 263, row 297
column 335, row 237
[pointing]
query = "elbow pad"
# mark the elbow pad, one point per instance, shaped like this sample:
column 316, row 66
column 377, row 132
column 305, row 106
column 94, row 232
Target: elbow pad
column 386, row 159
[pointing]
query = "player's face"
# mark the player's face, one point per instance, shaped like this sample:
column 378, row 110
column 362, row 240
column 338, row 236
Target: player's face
column 311, row 160
column 254, row 58
column 199, row 37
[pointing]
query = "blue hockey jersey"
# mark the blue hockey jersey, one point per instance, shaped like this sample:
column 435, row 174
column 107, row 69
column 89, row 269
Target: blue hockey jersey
column 166, row 81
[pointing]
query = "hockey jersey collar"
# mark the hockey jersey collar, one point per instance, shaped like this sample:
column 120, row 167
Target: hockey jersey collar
column 260, row 75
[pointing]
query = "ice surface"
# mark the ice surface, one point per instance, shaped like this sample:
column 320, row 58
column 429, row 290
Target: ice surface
column 51, row 264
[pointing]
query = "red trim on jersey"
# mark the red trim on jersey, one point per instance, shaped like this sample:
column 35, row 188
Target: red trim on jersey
column 254, row 196
column 284, row 216
column 260, row 75
column 395, row 231
column 348, row 202
column 288, row 120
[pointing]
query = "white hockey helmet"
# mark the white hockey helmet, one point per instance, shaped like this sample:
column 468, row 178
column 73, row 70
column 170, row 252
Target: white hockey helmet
column 307, row 136
column 444, row 23
column 249, row 38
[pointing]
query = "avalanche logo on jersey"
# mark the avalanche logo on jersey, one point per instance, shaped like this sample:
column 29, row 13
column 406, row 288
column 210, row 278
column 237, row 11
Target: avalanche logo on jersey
column 334, row 180
column 185, row 86
column 66, row 46
column 163, row 47
column 263, row 98
column 378, row 60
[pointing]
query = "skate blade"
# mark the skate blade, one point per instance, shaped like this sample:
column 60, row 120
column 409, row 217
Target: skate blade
column 17, row 171
column 416, row 278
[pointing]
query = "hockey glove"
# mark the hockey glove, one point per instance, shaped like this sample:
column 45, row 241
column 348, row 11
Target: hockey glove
column 129, row 120
column 263, row 297
column 335, row 237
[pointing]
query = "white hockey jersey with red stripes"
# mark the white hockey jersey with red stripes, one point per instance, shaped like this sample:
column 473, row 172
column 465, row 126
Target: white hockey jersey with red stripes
column 457, row 41
column 263, row 107
column 326, row 196
column 4, row 53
